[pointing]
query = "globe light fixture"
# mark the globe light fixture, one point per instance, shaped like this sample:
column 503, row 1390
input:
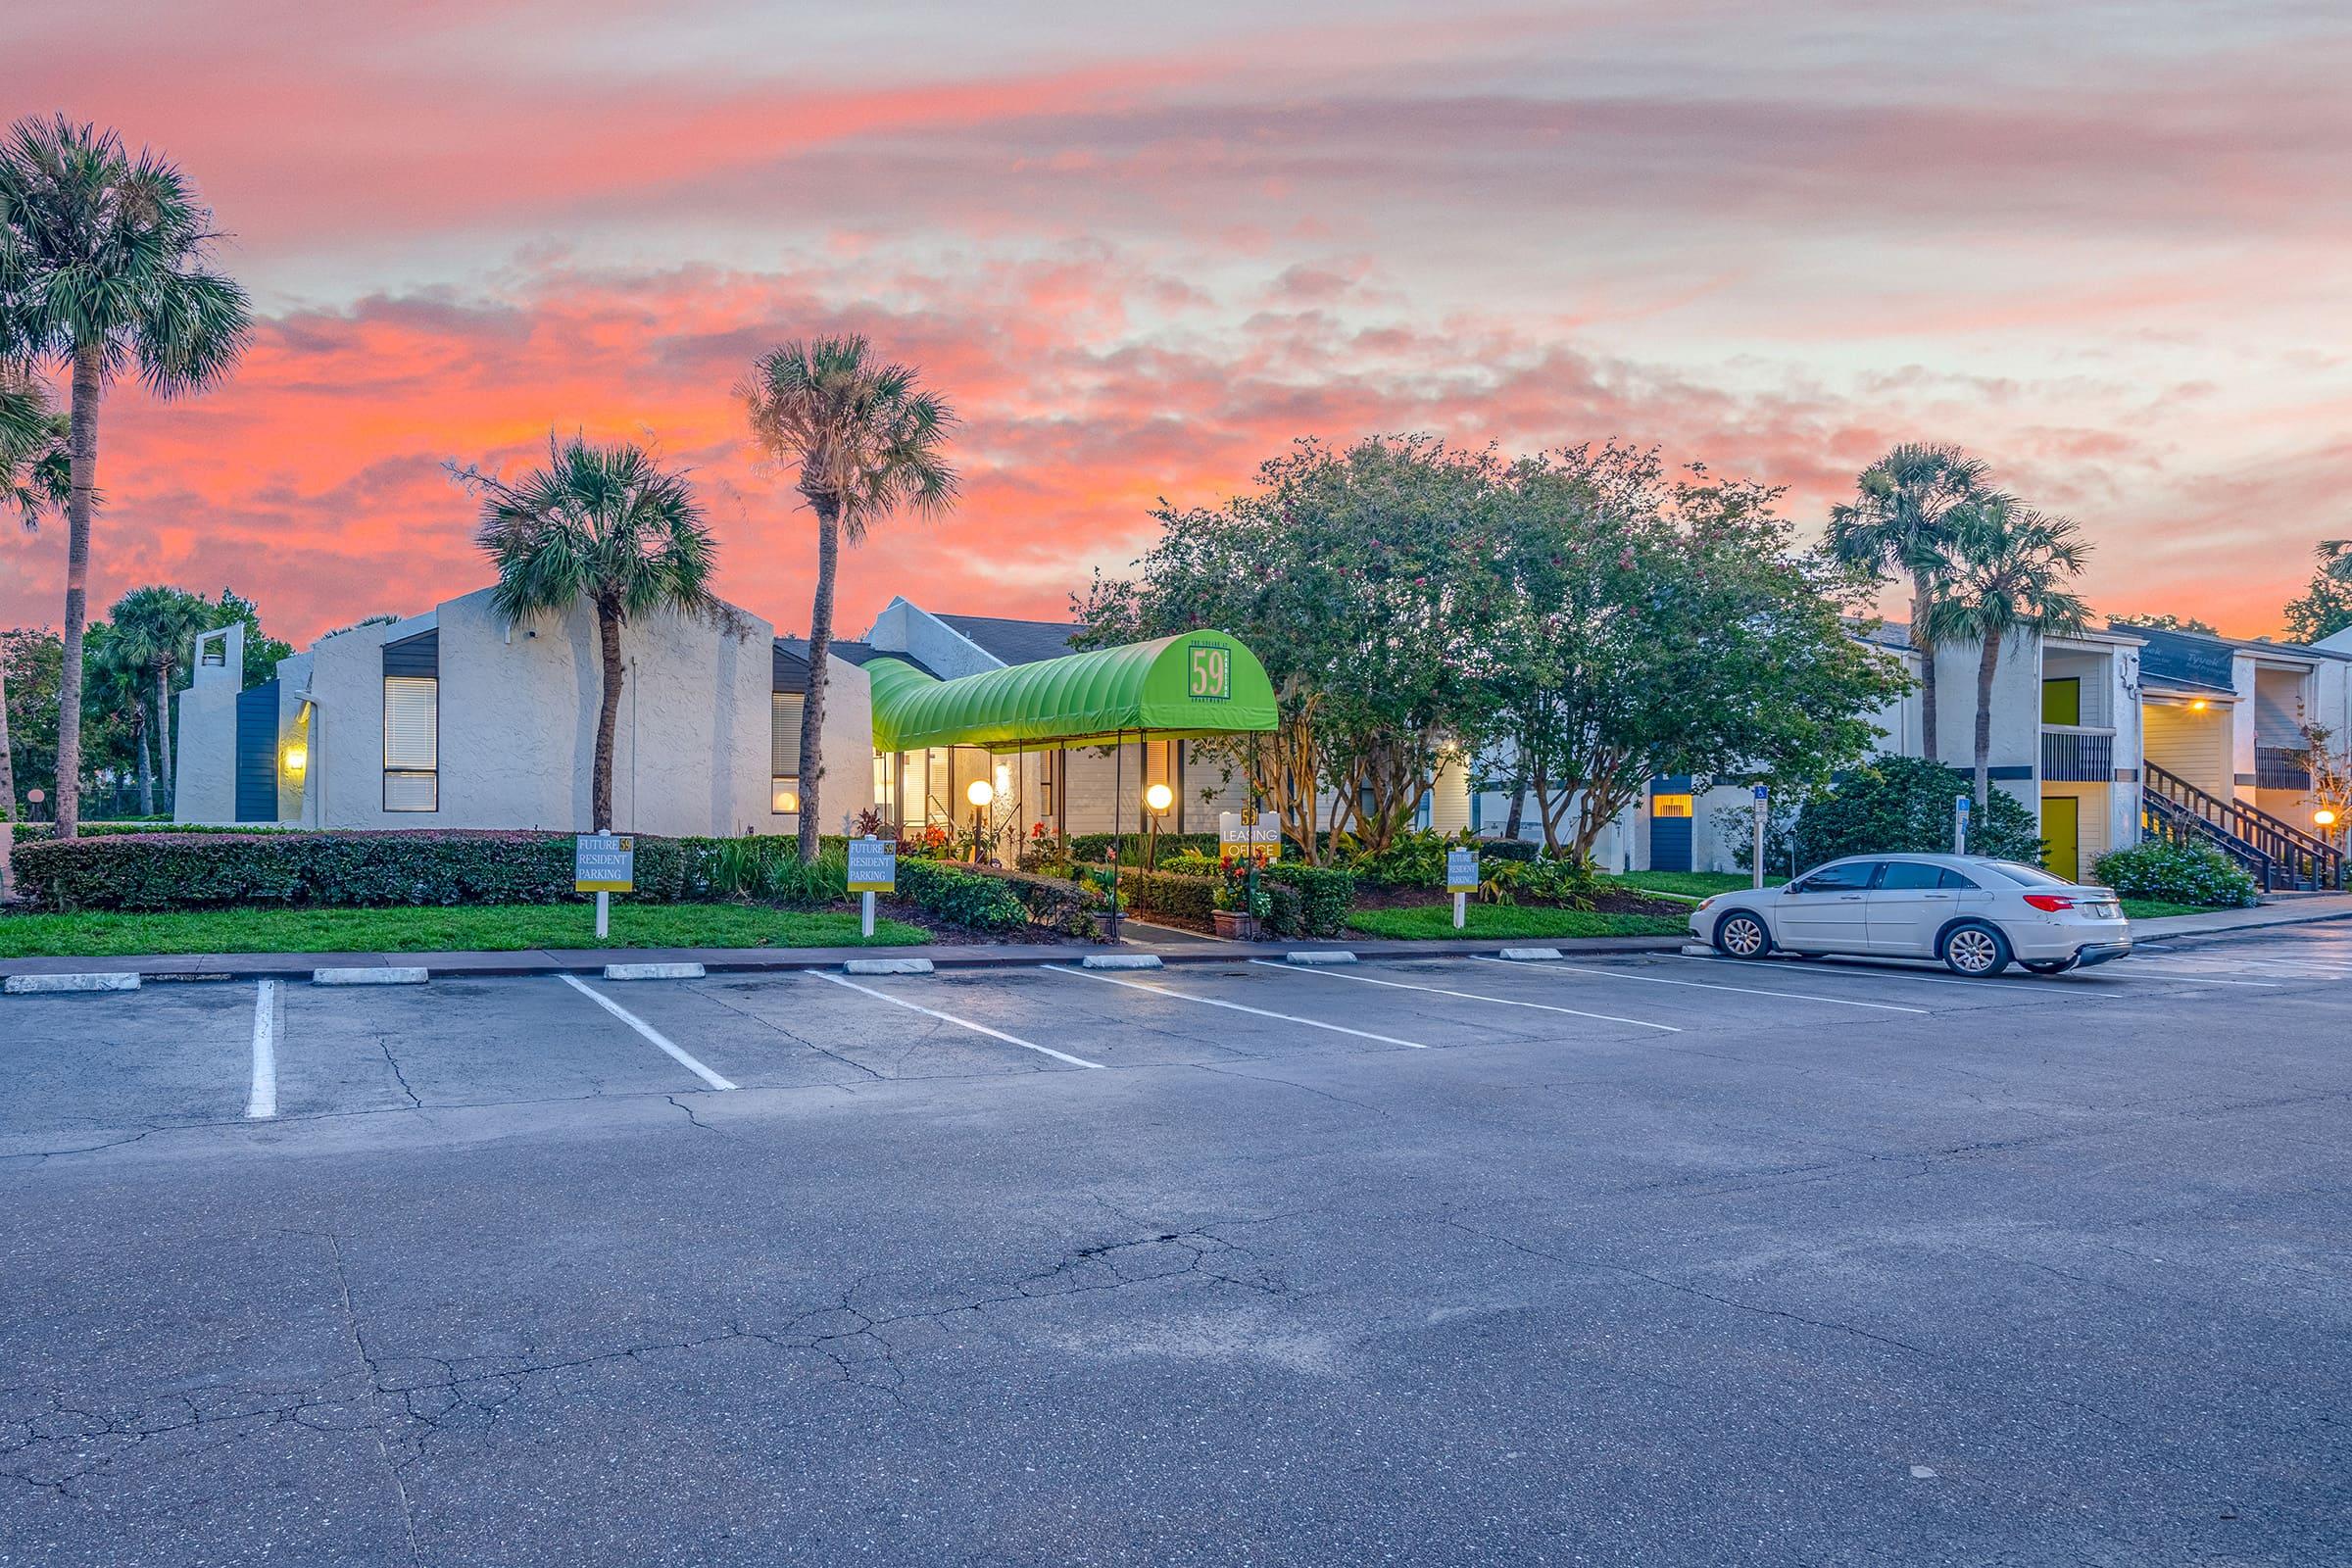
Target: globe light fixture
column 2324, row 816
column 1159, row 798
column 980, row 792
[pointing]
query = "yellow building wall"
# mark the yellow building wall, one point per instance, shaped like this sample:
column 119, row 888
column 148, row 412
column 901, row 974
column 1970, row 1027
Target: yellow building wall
column 2191, row 744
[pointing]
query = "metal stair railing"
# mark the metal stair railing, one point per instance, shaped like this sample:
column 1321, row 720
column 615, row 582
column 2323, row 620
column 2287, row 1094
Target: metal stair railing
column 2276, row 850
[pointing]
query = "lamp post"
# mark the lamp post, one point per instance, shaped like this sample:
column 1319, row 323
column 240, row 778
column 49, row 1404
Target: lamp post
column 979, row 793
column 1156, row 800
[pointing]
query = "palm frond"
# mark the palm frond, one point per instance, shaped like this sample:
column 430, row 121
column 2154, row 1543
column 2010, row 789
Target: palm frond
column 859, row 438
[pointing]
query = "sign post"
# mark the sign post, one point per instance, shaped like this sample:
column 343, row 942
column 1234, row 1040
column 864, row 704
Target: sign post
column 1763, row 809
column 603, row 865
column 1960, row 809
column 873, row 868
column 1461, row 880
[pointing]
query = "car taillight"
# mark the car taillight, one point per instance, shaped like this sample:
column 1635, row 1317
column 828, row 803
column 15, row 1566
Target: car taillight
column 2052, row 901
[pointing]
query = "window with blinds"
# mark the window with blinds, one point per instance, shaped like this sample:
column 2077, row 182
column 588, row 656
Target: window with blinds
column 784, row 750
column 411, row 743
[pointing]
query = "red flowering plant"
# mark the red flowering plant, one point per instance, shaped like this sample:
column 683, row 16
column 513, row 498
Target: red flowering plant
column 1238, row 891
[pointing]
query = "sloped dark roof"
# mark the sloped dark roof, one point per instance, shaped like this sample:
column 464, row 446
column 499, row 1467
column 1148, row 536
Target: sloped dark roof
column 2203, row 649
column 792, row 660
column 1016, row 642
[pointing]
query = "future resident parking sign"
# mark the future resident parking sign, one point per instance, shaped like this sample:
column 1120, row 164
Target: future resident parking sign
column 603, row 862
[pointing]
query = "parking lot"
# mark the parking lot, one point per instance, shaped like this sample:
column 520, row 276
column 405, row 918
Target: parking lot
column 1617, row 1259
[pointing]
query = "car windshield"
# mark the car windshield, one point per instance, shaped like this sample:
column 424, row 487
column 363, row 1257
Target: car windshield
column 2025, row 876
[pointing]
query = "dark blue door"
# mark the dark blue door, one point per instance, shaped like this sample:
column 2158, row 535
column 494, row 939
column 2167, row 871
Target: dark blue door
column 257, row 754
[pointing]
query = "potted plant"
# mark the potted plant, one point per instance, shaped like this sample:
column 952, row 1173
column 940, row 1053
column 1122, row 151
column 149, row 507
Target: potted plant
column 1240, row 902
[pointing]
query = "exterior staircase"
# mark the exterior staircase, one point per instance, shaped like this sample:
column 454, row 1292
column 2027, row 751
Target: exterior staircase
column 2277, row 855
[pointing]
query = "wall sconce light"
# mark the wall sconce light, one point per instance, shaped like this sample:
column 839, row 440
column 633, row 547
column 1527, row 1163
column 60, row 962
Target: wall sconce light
column 298, row 758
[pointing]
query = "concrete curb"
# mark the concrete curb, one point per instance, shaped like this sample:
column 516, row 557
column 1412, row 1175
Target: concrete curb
column 653, row 971
column 591, row 961
column 389, row 975
column 1326, row 955
column 1531, row 954
column 35, row 985
column 1119, row 961
column 2147, row 936
column 888, row 966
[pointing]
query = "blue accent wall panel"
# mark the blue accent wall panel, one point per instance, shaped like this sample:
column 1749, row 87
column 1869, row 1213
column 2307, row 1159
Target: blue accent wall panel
column 257, row 754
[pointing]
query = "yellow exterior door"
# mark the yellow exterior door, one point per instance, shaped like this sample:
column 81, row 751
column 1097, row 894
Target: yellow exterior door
column 2062, row 832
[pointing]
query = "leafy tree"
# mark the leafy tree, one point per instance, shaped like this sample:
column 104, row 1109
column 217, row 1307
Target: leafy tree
column 2325, row 607
column 1361, row 577
column 30, row 661
column 103, row 267
column 606, row 525
column 1670, row 628
column 1904, row 805
column 862, row 442
column 157, row 627
column 262, row 650
column 34, row 477
column 1900, row 522
column 2009, row 575
column 2168, row 622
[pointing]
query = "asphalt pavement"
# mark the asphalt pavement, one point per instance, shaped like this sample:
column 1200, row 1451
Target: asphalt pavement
column 1628, row 1259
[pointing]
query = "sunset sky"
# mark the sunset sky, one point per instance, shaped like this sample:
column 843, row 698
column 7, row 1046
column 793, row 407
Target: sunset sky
column 2107, row 247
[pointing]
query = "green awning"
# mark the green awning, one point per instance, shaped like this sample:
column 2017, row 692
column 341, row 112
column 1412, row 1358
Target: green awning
column 1201, row 683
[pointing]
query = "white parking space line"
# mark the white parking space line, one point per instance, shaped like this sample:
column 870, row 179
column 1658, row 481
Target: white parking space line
column 960, row 1023
column 1705, row 985
column 260, row 1103
column 648, row 1031
column 1886, row 971
column 2173, row 977
column 1235, row 1007
column 1475, row 996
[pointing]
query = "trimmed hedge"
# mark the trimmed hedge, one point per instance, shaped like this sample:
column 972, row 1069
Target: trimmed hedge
column 959, row 894
column 1188, row 901
column 430, row 866
column 1054, row 903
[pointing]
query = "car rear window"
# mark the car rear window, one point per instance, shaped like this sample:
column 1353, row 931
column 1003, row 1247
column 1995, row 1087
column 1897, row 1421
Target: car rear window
column 2024, row 875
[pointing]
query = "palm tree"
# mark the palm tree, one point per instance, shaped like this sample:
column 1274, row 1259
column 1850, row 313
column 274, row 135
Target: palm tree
column 114, row 677
column 2008, row 574
column 157, row 625
column 863, row 442
column 604, row 524
column 102, row 268
column 34, row 477
column 1900, row 522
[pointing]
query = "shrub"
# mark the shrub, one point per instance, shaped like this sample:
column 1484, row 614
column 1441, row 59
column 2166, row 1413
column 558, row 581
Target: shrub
column 1054, row 903
column 1568, row 883
column 1095, row 847
column 2177, row 873
column 432, row 866
column 1904, row 805
column 959, row 895
column 1508, row 849
column 1323, row 895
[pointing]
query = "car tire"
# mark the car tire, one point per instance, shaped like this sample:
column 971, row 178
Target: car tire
column 1973, row 950
column 1742, row 935
column 2051, row 966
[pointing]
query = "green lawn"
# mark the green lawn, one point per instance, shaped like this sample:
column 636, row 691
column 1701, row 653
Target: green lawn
column 1687, row 884
column 501, row 928
column 1508, row 920
column 2157, row 908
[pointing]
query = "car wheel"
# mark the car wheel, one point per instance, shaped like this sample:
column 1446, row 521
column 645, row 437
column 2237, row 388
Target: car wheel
column 1975, row 950
column 2051, row 966
column 1741, row 935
